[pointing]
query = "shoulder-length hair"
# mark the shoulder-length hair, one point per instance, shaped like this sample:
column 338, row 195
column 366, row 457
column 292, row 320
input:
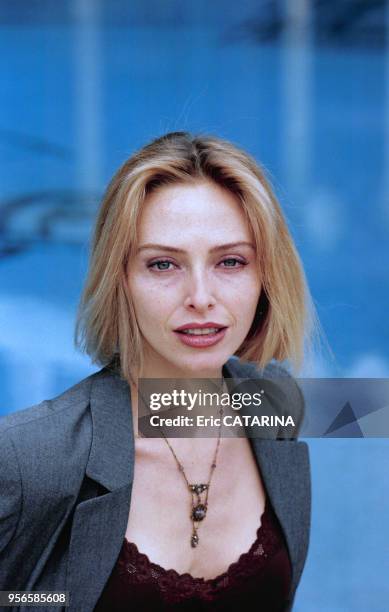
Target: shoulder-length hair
column 106, row 326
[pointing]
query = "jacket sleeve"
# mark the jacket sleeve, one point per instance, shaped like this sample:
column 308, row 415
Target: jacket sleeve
column 10, row 493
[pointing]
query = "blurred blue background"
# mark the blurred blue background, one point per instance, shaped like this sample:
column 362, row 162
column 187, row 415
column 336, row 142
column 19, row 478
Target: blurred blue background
column 304, row 86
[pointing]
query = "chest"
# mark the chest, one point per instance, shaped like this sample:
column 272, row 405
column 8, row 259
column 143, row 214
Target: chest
column 160, row 512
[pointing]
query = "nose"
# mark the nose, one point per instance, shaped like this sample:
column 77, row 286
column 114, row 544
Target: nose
column 199, row 292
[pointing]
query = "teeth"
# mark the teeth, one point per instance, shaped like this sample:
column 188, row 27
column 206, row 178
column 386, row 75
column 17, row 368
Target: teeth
column 201, row 332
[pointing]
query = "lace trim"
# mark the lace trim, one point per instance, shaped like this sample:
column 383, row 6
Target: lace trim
column 136, row 567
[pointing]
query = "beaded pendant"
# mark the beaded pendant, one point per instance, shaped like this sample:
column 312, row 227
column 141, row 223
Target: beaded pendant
column 199, row 509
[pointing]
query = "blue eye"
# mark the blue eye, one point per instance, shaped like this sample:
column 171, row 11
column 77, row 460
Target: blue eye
column 161, row 265
column 164, row 265
column 231, row 262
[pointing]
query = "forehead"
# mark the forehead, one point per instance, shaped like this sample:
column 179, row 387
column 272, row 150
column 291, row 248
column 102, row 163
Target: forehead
column 199, row 211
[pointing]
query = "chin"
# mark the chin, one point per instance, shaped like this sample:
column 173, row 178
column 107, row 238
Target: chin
column 203, row 364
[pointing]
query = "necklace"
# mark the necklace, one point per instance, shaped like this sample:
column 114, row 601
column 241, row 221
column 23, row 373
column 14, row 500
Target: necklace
column 197, row 490
column 199, row 505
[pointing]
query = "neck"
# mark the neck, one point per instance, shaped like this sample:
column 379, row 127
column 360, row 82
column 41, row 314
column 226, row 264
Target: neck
column 155, row 367
column 177, row 373
column 185, row 393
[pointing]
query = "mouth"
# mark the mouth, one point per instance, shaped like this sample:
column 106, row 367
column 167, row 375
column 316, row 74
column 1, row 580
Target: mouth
column 198, row 331
column 201, row 337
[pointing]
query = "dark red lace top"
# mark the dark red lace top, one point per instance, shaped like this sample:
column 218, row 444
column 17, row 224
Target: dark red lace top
column 259, row 580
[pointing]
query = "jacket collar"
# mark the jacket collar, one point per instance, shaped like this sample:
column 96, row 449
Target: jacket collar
column 111, row 458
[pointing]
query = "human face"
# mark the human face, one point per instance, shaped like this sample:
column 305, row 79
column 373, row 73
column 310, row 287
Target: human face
column 195, row 264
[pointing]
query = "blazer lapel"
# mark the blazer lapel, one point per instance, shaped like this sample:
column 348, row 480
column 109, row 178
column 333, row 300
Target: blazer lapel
column 285, row 470
column 99, row 523
column 284, row 467
column 99, row 527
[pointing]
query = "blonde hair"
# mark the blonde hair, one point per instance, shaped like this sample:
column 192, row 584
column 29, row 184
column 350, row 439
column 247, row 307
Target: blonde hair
column 106, row 326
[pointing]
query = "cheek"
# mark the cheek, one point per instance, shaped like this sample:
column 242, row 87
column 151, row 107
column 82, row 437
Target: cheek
column 253, row 295
column 149, row 302
column 138, row 292
column 242, row 292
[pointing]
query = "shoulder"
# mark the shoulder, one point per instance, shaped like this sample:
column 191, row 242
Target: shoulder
column 43, row 451
column 64, row 407
column 47, row 437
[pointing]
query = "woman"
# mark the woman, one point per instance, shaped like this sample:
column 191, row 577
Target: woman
column 192, row 263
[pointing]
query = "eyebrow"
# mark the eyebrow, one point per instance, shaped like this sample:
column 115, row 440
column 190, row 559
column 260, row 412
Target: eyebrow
column 220, row 247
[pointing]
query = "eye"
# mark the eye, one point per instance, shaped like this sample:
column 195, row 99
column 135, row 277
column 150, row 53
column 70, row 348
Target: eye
column 232, row 262
column 162, row 265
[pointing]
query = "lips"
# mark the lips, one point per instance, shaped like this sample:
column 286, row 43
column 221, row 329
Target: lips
column 200, row 328
column 201, row 335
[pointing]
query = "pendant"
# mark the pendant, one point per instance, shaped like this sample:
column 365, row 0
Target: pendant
column 199, row 512
column 194, row 540
column 199, row 509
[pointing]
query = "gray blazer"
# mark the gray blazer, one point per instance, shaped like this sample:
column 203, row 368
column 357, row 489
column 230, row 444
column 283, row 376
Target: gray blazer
column 66, row 471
